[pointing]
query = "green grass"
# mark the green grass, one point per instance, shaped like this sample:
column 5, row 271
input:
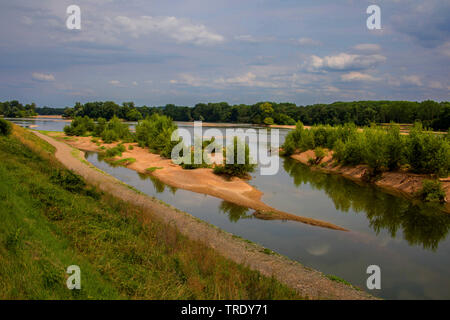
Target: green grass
column 152, row 169
column 123, row 162
column 52, row 219
column 340, row 280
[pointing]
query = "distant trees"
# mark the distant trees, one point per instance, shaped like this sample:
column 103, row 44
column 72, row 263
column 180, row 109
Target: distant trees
column 14, row 109
column 435, row 115
column 111, row 131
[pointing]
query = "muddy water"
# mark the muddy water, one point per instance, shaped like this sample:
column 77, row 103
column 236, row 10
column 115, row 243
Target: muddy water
column 409, row 241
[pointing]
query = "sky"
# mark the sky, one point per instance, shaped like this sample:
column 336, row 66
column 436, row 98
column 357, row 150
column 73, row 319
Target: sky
column 191, row 51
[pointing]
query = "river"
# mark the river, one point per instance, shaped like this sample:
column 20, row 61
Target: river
column 407, row 240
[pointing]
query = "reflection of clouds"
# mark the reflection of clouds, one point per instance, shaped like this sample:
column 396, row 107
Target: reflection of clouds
column 319, row 250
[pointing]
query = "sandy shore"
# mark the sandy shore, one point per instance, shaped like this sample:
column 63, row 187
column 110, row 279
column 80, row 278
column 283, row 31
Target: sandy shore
column 405, row 183
column 203, row 180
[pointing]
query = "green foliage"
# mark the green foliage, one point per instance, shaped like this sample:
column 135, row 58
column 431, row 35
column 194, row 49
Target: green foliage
column 432, row 191
column 123, row 162
column 45, row 228
column 395, row 148
column 155, row 133
column 68, row 180
column 115, row 130
column 100, row 127
column 432, row 114
column 5, row 127
column 380, row 149
column 428, row 152
column 320, row 154
column 268, row 121
column 231, row 166
column 115, row 151
column 14, row 109
column 80, row 126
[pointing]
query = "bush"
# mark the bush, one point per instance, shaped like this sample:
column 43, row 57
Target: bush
column 353, row 151
column 109, row 136
column 115, row 151
column 99, row 127
column 375, row 150
column 432, row 191
column 115, row 130
column 268, row 121
column 320, row 154
column 155, row 132
column 5, row 127
column 80, row 126
column 231, row 166
column 395, row 148
column 68, row 180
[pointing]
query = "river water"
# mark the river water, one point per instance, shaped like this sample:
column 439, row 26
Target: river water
column 408, row 241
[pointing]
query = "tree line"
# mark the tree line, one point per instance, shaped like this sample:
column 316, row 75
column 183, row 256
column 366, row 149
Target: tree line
column 432, row 114
column 14, row 109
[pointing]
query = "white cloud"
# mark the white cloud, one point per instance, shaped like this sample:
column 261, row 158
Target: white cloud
column 435, row 85
column 43, row 76
column 26, row 20
column 183, row 31
column 309, row 42
column 345, row 61
column 445, row 49
column 358, row 76
column 367, row 47
column 412, row 79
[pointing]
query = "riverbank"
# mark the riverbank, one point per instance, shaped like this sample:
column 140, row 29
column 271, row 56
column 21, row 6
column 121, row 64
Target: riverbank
column 202, row 180
column 52, row 219
column 308, row 282
column 399, row 182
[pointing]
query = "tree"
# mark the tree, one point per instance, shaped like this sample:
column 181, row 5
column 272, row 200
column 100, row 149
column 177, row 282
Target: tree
column 232, row 167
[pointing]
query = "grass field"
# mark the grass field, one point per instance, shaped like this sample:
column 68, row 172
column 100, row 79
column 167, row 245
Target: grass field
column 50, row 219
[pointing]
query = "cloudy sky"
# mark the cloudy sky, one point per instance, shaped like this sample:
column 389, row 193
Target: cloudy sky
column 190, row 51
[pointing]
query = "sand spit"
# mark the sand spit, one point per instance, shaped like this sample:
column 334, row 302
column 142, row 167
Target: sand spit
column 202, row 180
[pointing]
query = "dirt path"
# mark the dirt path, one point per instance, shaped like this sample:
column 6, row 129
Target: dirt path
column 309, row 283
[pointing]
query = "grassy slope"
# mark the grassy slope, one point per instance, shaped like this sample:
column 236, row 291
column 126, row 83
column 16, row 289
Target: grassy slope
column 45, row 228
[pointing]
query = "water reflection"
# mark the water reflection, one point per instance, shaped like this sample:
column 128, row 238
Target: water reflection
column 420, row 223
column 234, row 212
